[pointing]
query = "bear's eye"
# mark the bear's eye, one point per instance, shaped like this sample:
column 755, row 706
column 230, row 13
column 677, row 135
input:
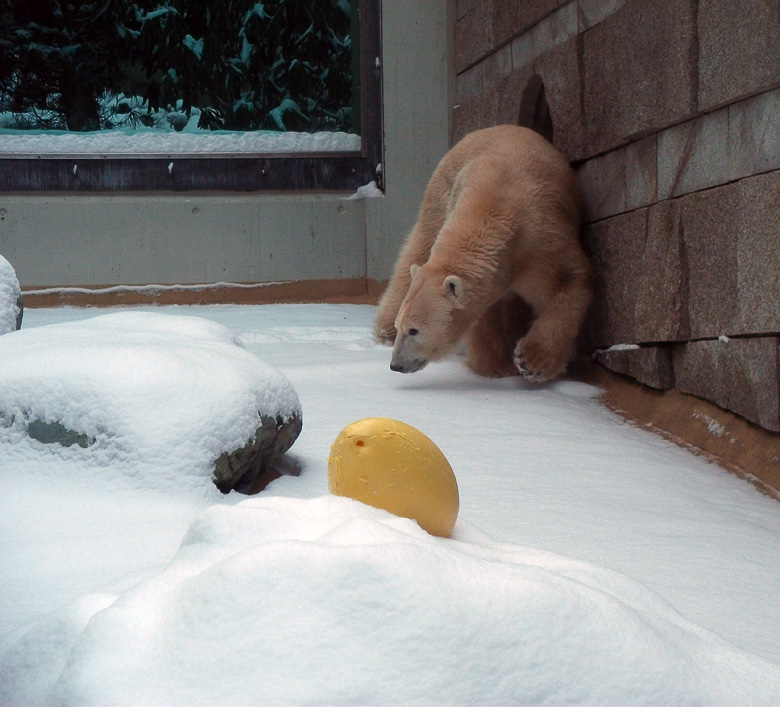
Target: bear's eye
column 412, row 332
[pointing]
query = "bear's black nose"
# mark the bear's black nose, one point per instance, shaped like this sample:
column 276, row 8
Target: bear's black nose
column 395, row 367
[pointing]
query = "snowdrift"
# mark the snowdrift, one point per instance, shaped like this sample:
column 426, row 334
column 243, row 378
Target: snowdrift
column 328, row 601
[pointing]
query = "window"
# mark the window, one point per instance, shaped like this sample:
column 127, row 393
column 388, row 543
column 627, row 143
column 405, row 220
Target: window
column 288, row 97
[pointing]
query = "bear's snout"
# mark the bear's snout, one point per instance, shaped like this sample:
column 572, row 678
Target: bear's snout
column 402, row 362
column 409, row 367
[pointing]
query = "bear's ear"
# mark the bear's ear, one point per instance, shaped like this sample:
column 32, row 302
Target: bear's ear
column 413, row 270
column 456, row 290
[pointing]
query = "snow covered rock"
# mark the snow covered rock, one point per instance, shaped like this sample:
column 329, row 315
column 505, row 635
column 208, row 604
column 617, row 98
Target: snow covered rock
column 170, row 400
column 11, row 308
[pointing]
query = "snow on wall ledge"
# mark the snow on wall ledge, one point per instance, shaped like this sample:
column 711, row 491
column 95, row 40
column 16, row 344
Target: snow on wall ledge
column 329, row 601
column 148, row 142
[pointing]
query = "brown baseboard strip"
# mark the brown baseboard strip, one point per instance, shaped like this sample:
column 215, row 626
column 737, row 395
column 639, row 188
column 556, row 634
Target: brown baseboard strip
column 719, row 435
column 352, row 291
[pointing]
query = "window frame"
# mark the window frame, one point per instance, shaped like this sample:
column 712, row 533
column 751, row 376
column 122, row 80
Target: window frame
column 237, row 172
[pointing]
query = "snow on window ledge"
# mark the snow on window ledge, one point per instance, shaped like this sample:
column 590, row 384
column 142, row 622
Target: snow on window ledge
column 120, row 143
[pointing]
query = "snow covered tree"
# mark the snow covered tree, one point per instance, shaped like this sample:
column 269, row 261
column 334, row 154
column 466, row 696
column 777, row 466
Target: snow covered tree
column 57, row 58
column 278, row 64
column 275, row 64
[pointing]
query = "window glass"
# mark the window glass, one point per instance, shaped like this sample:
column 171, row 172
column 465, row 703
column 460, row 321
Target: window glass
column 188, row 78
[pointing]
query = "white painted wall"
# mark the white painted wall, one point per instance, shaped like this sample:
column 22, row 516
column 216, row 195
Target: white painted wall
column 418, row 96
column 54, row 240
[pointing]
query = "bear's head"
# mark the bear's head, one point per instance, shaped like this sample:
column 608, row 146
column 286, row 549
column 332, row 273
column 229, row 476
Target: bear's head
column 431, row 319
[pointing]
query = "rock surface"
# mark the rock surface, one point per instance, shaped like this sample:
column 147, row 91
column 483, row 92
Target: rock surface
column 741, row 374
column 57, row 433
column 240, row 469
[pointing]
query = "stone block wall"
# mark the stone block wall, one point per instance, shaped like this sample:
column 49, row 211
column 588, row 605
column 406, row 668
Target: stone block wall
column 670, row 112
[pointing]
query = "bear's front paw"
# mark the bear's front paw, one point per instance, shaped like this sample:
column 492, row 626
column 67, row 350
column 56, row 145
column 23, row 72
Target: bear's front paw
column 384, row 334
column 536, row 363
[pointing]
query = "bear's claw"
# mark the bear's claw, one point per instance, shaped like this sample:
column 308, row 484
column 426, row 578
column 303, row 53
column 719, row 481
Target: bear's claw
column 536, row 363
column 528, row 373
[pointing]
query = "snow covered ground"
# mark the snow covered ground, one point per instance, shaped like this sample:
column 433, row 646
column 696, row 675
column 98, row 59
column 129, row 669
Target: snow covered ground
column 592, row 562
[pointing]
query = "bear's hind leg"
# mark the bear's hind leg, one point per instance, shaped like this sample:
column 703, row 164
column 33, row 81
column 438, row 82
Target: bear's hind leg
column 491, row 340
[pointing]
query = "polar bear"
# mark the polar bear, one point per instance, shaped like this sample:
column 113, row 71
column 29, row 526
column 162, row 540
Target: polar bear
column 494, row 257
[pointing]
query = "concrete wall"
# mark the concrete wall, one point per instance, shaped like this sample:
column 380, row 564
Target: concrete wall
column 670, row 111
column 100, row 240
column 67, row 240
column 418, row 89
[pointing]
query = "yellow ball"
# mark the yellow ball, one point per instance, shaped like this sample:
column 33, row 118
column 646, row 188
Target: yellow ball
column 391, row 465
